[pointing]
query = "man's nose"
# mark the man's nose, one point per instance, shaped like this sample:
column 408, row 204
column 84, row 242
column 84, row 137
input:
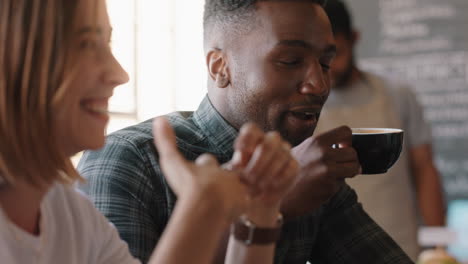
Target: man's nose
column 315, row 81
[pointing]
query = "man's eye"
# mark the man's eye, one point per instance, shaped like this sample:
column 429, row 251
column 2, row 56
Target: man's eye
column 88, row 44
column 289, row 62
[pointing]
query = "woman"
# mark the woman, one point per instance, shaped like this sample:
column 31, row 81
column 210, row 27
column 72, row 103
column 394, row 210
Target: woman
column 56, row 76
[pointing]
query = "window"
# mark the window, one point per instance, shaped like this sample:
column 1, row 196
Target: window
column 160, row 44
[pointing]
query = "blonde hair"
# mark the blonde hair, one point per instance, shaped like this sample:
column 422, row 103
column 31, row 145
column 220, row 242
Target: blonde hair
column 35, row 36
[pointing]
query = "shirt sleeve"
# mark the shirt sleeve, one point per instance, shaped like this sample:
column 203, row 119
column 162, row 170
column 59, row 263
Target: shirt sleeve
column 348, row 235
column 122, row 186
column 417, row 130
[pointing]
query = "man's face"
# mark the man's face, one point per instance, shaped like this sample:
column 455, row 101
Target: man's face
column 342, row 65
column 279, row 71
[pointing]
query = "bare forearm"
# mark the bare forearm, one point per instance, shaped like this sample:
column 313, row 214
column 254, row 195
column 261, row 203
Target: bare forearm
column 238, row 252
column 430, row 198
column 192, row 234
column 428, row 185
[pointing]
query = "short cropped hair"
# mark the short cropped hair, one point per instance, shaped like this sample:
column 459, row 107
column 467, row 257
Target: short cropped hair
column 35, row 37
column 340, row 18
column 232, row 14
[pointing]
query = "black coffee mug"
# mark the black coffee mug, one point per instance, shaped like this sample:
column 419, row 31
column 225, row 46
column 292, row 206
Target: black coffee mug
column 377, row 148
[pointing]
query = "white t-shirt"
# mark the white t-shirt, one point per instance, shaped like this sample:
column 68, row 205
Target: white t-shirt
column 72, row 231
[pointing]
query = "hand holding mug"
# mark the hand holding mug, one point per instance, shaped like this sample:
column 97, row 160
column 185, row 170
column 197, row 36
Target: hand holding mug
column 323, row 169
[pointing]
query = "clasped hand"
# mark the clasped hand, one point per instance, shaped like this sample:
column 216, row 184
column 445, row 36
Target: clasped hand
column 254, row 182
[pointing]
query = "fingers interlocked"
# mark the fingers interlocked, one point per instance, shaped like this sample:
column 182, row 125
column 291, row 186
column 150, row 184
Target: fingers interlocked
column 266, row 161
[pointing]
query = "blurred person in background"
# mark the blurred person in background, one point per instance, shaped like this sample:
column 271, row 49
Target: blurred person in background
column 57, row 74
column 361, row 99
column 268, row 63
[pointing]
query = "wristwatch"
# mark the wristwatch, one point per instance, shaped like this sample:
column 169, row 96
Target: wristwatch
column 247, row 232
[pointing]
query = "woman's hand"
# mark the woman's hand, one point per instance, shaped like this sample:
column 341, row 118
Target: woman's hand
column 204, row 178
column 268, row 168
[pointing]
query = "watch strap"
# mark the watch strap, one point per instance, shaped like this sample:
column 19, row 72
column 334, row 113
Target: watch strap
column 248, row 233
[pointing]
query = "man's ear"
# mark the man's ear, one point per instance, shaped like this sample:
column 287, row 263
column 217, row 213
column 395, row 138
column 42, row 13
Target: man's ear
column 217, row 68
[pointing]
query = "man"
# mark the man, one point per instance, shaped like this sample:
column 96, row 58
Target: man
column 360, row 99
column 268, row 63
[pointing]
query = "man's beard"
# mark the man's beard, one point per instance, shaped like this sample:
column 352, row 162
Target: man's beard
column 293, row 140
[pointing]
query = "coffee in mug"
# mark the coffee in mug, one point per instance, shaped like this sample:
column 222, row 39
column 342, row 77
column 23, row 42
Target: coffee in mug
column 377, row 148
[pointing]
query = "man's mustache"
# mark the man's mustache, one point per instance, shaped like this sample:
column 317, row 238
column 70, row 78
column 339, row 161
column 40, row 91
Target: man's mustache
column 310, row 101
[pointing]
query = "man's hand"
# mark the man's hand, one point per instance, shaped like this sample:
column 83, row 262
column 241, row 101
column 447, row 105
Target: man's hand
column 325, row 161
column 268, row 169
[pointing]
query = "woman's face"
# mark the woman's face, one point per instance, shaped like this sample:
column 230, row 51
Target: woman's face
column 82, row 118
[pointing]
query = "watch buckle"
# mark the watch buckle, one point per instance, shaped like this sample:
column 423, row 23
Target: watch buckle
column 251, row 229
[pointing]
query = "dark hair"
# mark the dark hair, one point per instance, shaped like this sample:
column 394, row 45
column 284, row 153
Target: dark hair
column 234, row 12
column 340, row 18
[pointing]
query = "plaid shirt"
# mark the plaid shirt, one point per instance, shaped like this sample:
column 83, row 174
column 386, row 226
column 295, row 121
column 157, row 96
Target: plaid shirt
column 125, row 182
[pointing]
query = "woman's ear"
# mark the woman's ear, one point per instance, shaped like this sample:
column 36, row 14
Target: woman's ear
column 217, row 68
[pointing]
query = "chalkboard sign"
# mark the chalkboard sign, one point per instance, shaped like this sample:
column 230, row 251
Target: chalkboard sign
column 425, row 43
